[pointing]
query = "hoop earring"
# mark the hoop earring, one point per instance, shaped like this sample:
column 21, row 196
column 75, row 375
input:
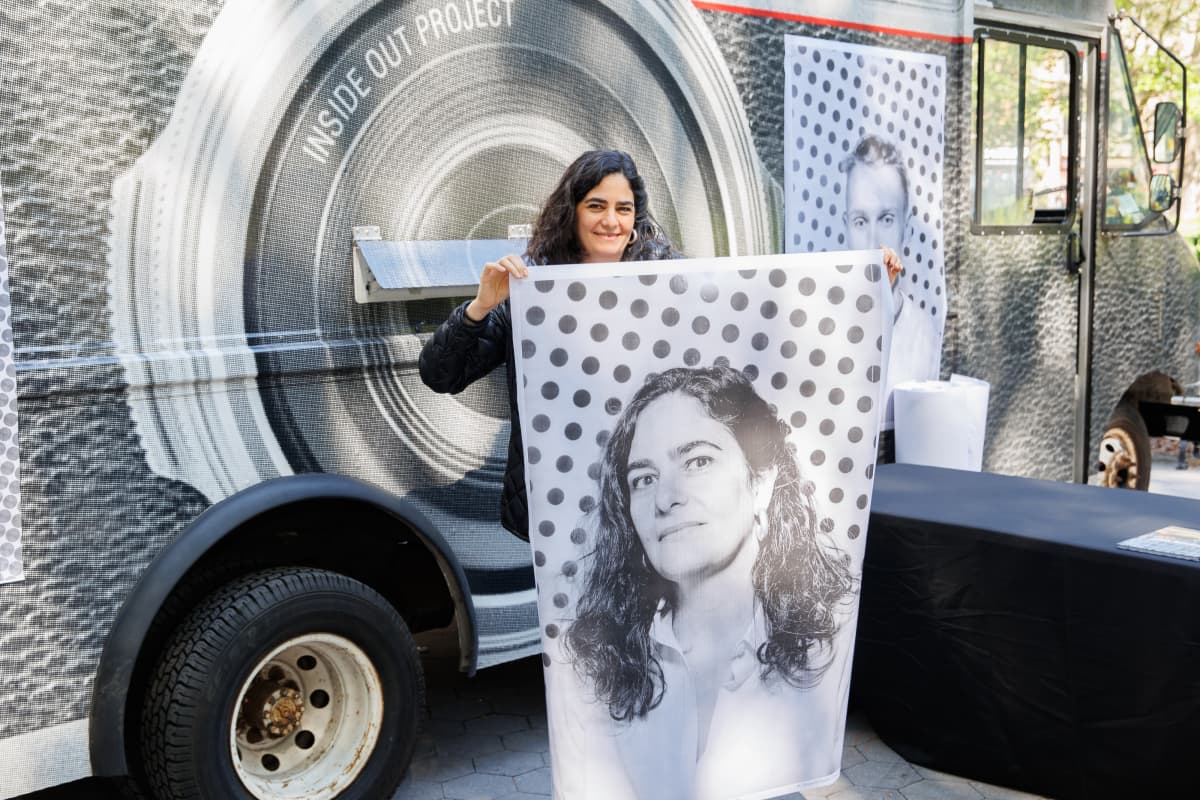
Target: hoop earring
column 633, row 237
column 760, row 528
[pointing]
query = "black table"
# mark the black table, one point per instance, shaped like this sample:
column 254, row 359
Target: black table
column 1004, row 637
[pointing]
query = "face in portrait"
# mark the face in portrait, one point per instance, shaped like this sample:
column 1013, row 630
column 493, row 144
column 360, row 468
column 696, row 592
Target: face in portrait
column 693, row 497
column 876, row 196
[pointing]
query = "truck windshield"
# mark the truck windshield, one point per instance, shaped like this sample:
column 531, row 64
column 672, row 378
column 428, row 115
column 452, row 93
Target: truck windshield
column 1127, row 166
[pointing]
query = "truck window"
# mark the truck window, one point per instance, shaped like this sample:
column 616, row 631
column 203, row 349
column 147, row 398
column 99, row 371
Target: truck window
column 1128, row 169
column 1024, row 134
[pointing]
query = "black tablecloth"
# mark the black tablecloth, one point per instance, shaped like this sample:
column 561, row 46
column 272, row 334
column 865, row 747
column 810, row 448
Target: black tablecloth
column 1003, row 636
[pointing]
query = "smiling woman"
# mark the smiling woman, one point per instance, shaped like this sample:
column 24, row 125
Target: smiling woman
column 599, row 212
column 711, row 599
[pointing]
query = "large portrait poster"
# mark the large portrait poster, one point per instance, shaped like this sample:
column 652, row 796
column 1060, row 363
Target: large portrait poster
column 864, row 133
column 700, row 445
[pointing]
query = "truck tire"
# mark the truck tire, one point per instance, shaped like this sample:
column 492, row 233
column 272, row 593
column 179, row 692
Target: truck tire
column 287, row 683
column 1125, row 450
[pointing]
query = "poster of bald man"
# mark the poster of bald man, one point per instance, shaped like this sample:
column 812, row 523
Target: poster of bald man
column 864, row 138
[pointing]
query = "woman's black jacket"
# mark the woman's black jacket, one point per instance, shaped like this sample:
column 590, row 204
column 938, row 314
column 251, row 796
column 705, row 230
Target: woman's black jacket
column 459, row 353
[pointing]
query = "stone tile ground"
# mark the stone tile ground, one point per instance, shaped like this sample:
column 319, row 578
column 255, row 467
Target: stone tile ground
column 485, row 738
column 1165, row 478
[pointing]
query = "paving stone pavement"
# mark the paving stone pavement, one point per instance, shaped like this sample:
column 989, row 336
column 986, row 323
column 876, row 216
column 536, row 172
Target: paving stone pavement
column 485, row 738
column 1165, row 478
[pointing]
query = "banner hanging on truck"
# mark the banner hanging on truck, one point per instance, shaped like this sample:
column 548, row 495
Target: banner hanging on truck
column 864, row 134
column 700, row 448
column 12, row 567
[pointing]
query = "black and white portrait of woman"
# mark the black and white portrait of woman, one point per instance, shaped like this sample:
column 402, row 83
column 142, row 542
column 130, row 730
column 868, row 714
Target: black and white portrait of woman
column 711, row 598
column 700, row 449
column 864, row 138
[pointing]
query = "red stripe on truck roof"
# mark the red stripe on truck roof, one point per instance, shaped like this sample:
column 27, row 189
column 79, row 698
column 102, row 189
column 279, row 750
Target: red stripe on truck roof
column 835, row 23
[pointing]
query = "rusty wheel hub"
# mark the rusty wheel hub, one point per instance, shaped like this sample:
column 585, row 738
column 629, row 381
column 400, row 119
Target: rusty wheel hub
column 306, row 720
column 282, row 712
column 1118, row 460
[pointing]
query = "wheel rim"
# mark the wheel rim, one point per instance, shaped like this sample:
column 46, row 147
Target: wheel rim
column 1118, row 460
column 306, row 720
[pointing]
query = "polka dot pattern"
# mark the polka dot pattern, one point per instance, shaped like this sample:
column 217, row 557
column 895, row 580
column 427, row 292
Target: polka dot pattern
column 836, row 94
column 798, row 328
column 11, row 561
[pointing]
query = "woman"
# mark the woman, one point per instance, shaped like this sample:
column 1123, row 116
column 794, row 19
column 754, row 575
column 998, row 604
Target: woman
column 599, row 212
column 711, row 603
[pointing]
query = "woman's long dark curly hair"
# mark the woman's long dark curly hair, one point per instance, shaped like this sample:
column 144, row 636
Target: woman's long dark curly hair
column 802, row 584
column 554, row 239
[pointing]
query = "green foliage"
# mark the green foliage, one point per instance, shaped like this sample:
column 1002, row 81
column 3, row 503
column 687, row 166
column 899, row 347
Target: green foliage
column 1190, row 230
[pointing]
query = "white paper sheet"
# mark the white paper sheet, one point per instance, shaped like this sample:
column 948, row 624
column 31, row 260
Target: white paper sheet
column 941, row 423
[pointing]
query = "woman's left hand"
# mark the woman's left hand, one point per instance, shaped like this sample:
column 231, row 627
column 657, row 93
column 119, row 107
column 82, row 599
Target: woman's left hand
column 892, row 262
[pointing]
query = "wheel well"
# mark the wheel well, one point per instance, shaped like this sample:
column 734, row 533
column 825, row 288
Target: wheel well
column 359, row 536
column 1152, row 387
column 1149, row 398
column 341, row 535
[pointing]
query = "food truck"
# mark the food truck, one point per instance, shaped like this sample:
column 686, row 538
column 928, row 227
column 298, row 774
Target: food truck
column 229, row 501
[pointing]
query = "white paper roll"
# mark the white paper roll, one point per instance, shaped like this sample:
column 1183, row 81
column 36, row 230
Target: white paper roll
column 941, row 423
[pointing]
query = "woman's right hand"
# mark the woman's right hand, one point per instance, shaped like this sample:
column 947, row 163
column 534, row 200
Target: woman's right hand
column 493, row 285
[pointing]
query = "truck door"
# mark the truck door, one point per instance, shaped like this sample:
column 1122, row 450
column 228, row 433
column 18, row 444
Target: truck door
column 1024, row 272
column 1144, row 317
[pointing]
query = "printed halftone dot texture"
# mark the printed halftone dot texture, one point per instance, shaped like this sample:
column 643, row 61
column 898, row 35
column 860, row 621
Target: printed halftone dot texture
column 11, row 565
column 835, row 95
column 808, row 337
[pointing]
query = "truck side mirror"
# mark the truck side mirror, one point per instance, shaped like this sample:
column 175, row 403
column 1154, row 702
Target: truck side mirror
column 1166, row 132
column 1162, row 192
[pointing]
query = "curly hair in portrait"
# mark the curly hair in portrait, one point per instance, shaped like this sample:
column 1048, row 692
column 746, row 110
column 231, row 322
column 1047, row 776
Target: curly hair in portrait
column 874, row 151
column 802, row 584
column 554, row 240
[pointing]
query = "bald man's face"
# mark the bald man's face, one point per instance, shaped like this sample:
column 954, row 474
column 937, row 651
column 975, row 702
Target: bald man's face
column 876, row 205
